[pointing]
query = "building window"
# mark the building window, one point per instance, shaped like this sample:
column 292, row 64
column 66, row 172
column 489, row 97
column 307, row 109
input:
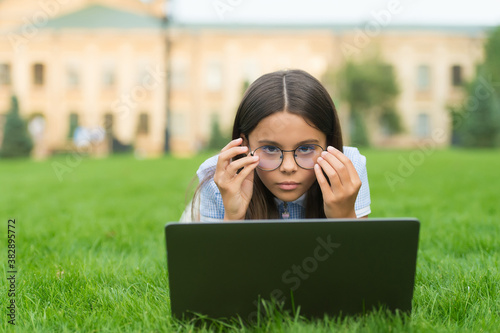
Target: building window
column 108, row 75
column 423, row 126
column 74, row 121
column 179, row 70
column 143, row 125
column 423, row 77
column 5, row 76
column 456, row 76
column 179, row 124
column 73, row 75
column 108, row 124
column 214, row 76
column 38, row 74
column 250, row 70
column 142, row 73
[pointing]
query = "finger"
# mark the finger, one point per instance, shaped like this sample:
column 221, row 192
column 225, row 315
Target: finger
column 225, row 177
column 236, row 165
column 231, row 148
column 338, row 166
column 323, row 183
column 331, row 173
column 234, row 180
column 353, row 173
column 228, row 153
column 233, row 143
column 247, row 170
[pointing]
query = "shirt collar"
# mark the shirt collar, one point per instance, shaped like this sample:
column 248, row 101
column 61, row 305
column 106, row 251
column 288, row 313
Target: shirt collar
column 300, row 201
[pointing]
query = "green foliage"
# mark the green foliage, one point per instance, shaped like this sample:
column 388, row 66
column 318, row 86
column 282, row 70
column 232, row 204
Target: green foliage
column 357, row 130
column 476, row 123
column 73, row 125
column 244, row 87
column 91, row 255
column 217, row 139
column 369, row 86
column 390, row 121
column 16, row 139
column 491, row 51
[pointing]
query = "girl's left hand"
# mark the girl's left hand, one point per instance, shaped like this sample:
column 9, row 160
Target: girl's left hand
column 340, row 195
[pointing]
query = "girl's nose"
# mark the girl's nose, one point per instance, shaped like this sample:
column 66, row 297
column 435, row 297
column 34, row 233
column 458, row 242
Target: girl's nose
column 288, row 164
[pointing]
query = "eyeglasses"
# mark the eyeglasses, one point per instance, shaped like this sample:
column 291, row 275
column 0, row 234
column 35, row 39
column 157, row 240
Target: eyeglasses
column 271, row 157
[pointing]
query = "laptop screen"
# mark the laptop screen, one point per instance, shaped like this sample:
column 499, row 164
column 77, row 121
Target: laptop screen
column 323, row 267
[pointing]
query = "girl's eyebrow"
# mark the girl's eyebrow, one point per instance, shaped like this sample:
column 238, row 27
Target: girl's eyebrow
column 274, row 143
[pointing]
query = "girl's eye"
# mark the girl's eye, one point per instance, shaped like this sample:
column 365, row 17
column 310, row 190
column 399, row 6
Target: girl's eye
column 306, row 149
column 271, row 150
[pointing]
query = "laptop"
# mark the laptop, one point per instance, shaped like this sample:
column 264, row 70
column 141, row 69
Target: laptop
column 317, row 267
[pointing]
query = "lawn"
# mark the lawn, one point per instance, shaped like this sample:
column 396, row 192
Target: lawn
column 90, row 249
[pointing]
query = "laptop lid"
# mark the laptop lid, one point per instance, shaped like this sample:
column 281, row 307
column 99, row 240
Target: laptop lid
column 331, row 267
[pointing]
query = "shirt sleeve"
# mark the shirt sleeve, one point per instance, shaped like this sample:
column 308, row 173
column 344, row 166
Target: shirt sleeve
column 211, row 205
column 210, row 200
column 362, row 204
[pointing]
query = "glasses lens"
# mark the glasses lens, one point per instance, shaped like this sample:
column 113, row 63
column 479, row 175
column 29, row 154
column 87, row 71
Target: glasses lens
column 270, row 157
column 306, row 155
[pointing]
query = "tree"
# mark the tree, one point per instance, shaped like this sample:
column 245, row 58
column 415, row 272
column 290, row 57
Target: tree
column 16, row 139
column 217, row 139
column 368, row 86
column 492, row 60
column 476, row 122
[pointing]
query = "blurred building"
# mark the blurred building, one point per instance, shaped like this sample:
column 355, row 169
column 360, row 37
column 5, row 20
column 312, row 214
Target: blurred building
column 94, row 67
column 101, row 66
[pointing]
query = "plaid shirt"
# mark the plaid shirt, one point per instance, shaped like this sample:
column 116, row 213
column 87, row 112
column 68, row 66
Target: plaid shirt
column 212, row 207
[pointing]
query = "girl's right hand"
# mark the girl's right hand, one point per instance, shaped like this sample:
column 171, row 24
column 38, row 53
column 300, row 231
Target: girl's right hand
column 235, row 187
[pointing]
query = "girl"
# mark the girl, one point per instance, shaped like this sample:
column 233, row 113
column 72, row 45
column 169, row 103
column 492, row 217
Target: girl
column 286, row 159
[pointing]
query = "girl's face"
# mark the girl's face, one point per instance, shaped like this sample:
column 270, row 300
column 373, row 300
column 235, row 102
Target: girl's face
column 286, row 131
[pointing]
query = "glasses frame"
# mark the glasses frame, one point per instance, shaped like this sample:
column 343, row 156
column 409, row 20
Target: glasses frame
column 283, row 154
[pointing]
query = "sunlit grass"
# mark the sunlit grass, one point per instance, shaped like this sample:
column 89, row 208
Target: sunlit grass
column 91, row 252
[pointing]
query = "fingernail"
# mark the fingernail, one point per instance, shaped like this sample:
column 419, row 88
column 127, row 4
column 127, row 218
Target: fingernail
column 330, row 148
column 319, row 159
column 324, row 153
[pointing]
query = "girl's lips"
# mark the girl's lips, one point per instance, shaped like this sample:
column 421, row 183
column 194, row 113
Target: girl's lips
column 288, row 186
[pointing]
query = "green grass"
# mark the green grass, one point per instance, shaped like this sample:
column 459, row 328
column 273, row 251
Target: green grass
column 91, row 252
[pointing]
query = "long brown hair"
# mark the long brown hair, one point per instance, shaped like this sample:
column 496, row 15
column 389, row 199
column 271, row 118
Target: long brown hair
column 296, row 92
